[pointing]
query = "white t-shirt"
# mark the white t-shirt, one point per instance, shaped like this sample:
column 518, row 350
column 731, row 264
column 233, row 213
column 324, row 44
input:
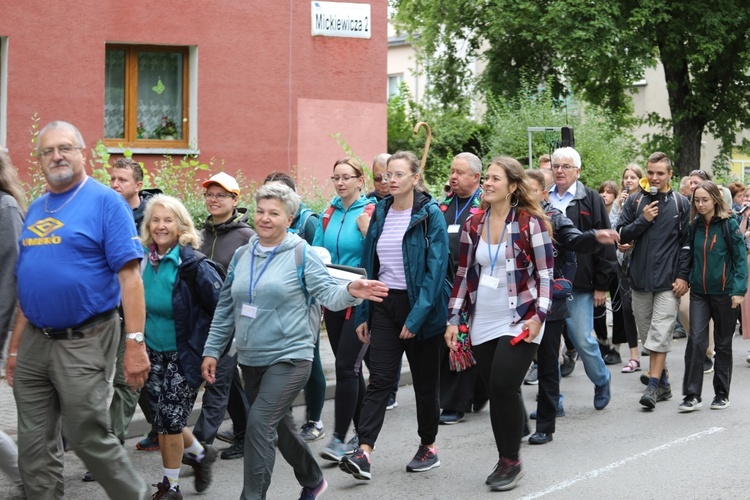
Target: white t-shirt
column 492, row 317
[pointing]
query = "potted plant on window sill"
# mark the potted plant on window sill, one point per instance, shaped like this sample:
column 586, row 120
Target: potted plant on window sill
column 167, row 130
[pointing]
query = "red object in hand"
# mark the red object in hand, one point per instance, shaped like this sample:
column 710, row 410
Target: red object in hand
column 518, row 338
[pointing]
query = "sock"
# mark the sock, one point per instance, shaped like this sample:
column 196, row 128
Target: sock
column 653, row 382
column 664, row 380
column 173, row 476
column 318, row 423
column 433, row 449
column 196, row 450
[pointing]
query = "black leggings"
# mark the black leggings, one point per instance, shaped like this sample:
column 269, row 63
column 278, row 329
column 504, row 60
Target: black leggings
column 350, row 383
column 502, row 367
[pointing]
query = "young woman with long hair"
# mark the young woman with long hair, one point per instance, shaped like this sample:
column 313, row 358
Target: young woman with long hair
column 509, row 239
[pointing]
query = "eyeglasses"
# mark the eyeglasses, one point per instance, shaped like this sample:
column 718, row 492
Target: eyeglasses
column 64, row 150
column 218, row 196
column 378, row 178
column 398, row 175
column 345, row 178
column 563, row 167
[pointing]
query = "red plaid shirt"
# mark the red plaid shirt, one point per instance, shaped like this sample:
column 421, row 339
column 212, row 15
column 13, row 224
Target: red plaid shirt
column 530, row 294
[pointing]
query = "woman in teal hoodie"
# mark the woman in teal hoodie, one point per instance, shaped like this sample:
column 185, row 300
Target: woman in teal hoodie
column 718, row 283
column 265, row 303
column 342, row 231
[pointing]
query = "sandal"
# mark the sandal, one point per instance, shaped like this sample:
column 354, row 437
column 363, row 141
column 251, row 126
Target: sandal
column 633, row 365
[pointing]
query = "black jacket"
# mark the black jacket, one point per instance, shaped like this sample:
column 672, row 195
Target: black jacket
column 193, row 305
column 597, row 268
column 661, row 249
column 221, row 240
column 566, row 238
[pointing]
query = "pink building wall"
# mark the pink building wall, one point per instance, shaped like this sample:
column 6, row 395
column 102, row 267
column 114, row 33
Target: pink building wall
column 270, row 95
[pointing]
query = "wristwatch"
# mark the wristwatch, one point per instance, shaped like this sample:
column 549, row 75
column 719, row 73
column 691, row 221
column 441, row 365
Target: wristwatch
column 137, row 336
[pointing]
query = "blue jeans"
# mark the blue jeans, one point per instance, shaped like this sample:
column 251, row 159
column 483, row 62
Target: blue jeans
column 580, row 323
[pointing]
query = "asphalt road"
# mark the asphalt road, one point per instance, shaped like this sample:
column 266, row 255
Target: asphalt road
column 620, row 452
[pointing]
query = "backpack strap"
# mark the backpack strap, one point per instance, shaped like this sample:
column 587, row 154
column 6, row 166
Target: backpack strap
column 727, row 237
column 523, row 225
column 300, row 259
column 327, row 217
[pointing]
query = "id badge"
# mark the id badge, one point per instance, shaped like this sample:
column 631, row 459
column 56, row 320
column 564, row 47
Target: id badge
column 489, row 281
column 454, row 228
column 249, row 310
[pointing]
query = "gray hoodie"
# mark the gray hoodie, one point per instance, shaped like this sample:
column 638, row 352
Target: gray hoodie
column 280, row 329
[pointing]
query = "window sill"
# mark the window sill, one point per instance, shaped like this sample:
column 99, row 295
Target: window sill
column 155, row 151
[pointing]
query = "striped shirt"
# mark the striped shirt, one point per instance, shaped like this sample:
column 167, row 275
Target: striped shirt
column 390, row 248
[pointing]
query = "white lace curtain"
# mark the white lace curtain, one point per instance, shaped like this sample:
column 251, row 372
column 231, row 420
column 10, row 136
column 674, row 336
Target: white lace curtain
column 159, row 94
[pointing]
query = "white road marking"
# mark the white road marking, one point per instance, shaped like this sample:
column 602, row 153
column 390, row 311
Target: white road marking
column 597, row 472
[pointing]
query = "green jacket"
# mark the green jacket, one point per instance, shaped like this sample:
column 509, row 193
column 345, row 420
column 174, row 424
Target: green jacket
column 715, row 269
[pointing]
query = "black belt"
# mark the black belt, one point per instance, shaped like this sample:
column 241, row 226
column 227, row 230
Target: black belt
column 76, row 332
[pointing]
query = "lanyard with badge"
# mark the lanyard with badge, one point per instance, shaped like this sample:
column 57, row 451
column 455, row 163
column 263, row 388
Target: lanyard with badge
column 489, row 280
column 456, row 227
column 248, row 309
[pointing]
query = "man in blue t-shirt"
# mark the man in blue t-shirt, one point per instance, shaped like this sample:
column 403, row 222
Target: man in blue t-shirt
column 78, row 250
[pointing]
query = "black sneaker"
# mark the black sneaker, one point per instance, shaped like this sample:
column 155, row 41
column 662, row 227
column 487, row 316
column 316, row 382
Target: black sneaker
column 719, row 403
column 690, row 403
column 163, row 492
column 649, row 397
column 313, row 493
column 708, row 365
column 357, row 464
column 202, row 469
column 424, row 460
column 506, row 475
column 392, row 403
column 237, row 450
column 569, row 363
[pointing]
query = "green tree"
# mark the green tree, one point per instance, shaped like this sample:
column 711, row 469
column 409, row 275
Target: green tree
column 605, row 146
column 597, row 49
column 453, row 132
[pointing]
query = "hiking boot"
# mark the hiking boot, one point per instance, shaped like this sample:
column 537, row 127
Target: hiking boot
column 312, row 432
column 357, row 464
column 313, row 493
column 203, row 473
column 663, row 393
column 237, row 450
column 506, row 475
column 690, row 403
column 149, row 443
column 649, row 397
column 424, row 460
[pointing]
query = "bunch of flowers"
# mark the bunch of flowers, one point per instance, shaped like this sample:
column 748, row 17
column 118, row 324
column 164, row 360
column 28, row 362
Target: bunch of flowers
column 167, row 128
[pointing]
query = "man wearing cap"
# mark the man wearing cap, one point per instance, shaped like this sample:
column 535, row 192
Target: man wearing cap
column 226, row 229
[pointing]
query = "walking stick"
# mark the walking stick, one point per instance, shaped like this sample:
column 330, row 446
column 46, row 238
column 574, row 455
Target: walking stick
column 426, row 142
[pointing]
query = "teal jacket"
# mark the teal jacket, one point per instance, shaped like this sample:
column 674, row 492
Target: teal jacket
column 280, row 329
column 425, row 248
column 715, row 270
column 342, row 237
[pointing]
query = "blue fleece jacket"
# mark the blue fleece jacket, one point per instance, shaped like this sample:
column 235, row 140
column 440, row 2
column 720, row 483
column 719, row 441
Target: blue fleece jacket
column 280, row 329
column 342, row 237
